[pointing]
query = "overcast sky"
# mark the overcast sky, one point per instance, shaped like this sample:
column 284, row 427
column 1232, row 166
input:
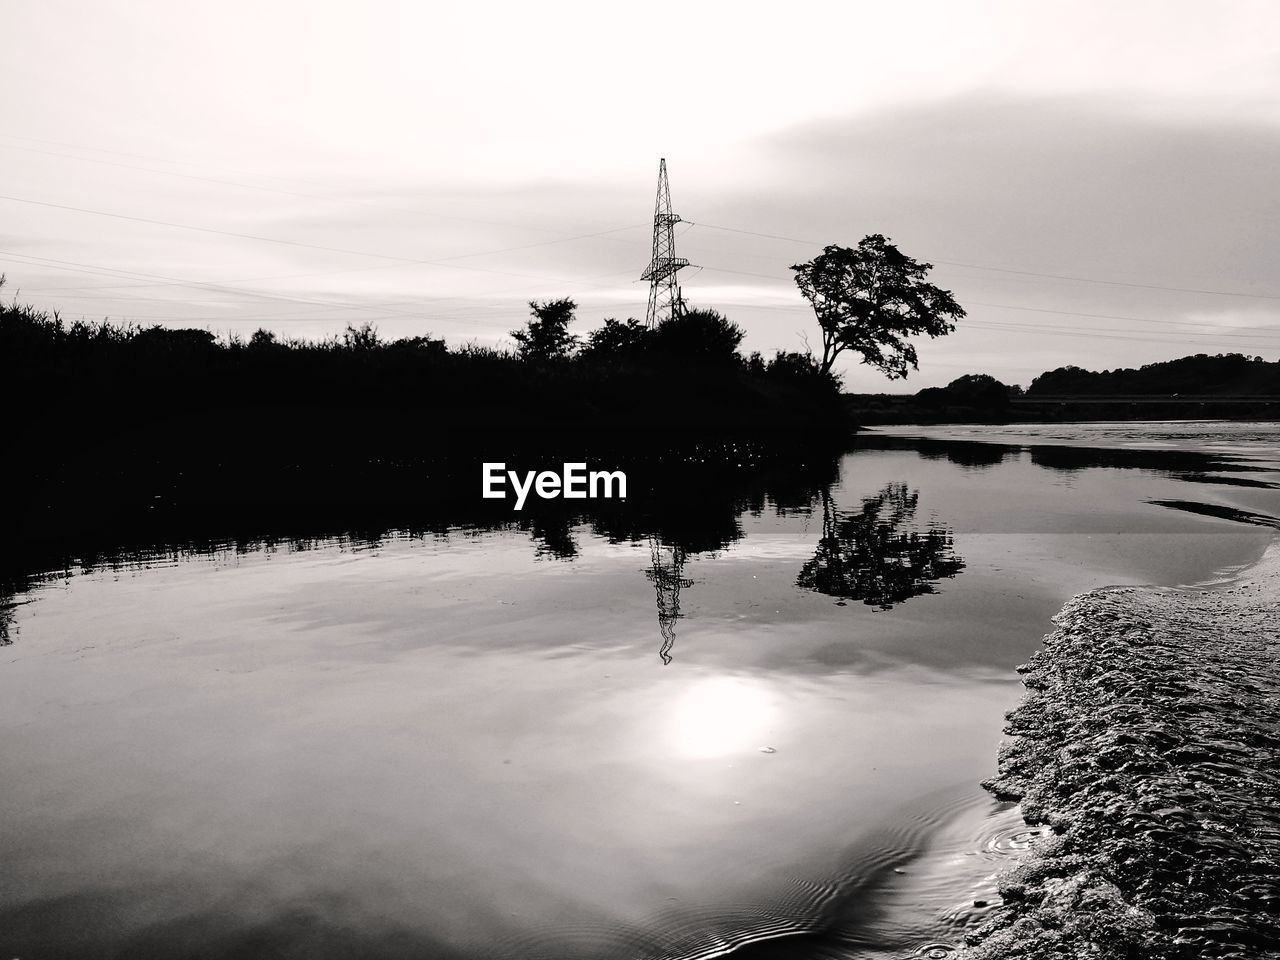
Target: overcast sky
column 1096, row 182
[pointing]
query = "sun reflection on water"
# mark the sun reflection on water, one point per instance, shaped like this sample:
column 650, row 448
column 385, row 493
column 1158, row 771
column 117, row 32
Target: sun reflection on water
column 721, row 715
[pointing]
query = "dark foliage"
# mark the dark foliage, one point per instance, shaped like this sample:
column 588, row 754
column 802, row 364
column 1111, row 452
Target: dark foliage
column 869, row 299
column 700, row 334
column 617, row 341
column 1224, row 374
column 160, row 416
column 546, row 337
column 972, row 390
column 793, row 366
column 879, row 555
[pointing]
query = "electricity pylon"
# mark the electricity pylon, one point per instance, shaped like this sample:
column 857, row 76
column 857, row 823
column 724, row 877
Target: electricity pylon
column 664, row 292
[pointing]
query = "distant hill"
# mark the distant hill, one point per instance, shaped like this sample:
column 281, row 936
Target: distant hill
column 1227, row 386
column 1222, row 375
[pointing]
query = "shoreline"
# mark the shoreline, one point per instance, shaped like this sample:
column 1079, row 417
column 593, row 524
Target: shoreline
column 1148, row 742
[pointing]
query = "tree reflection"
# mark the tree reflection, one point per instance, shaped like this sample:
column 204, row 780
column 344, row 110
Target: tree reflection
column 879, row 555
column 8, row 626
column 553, row 536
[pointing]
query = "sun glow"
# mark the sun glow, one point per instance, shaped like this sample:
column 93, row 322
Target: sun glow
column 717, row 716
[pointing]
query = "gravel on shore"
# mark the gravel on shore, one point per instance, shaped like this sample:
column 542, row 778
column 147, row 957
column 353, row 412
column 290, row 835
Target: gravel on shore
column 1149, row 743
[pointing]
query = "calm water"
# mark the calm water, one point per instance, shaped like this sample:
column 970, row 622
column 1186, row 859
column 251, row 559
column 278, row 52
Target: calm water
column 492, row 743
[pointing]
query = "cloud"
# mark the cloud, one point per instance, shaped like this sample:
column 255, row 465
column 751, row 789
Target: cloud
column 1073, row 185
column 997, row 189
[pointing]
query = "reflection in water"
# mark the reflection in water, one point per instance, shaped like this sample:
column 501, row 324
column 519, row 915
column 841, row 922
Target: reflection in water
column 722, row 716
column 878, row 555
column 971, row 455
column 399, row 755
column 1194, row 465
column 553, row 536
column 6, row 620
column 1221, row 511
column 666, row 572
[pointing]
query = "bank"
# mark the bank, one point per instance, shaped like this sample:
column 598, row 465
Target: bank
column 1149, row 742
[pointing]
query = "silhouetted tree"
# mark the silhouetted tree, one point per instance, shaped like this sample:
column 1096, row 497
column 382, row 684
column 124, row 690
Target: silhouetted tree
column 972, row 390
column 789, row 366
column 617, row 339
column 1230, row 374
column 869, row 299
column 363, row 337
column 546, row 337
column 703, row 333
column 163, row 341
column 878, row 555
column 420, row 346
column 262, row 339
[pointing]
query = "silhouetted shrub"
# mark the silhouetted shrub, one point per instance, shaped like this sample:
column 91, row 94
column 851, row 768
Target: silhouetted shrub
column 162, row 341
column 617, row 340
column 363, row 337
column 794, row 366
column 546, row 338
column 972, row 390
column 262, row 340
column 703, row 333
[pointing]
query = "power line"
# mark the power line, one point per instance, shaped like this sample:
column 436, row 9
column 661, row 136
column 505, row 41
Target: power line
column 1001, row 306
column 1139, row 336
column 75, row 266
column 407, row 261
column 445, row 260
column 1142, row 336
column 1032, row 327
column 1010, row 270
column 95, row 270
column 245, row 186
column 1094, row 316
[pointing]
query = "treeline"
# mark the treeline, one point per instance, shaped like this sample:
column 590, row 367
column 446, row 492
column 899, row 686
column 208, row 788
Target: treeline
column 1202, row 375
column 1223, row 374
column 108, row 409
column 693, row 357
column 1226, row 386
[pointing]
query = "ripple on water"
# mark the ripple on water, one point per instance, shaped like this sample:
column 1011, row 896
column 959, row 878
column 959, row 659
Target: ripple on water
column 1015, row 841
column 935, row 951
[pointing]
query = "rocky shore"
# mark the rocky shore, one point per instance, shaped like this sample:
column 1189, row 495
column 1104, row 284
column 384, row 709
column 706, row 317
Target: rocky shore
column 1149, row 744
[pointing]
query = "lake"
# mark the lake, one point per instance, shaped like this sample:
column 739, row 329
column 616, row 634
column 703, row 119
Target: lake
column 757, row 727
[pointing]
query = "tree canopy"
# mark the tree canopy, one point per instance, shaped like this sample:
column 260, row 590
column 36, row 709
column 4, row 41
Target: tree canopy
column 546, row 337
column 971, row 390
column 1227, row 374
column 700, row 333
column 616, row 340
column 869, row 299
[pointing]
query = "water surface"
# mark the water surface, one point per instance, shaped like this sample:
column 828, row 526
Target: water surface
column 763, row 733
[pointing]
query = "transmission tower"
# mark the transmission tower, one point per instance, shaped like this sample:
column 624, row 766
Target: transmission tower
column 664, row 293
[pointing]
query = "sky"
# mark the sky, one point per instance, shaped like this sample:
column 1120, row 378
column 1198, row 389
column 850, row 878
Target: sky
column 1095, row 182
